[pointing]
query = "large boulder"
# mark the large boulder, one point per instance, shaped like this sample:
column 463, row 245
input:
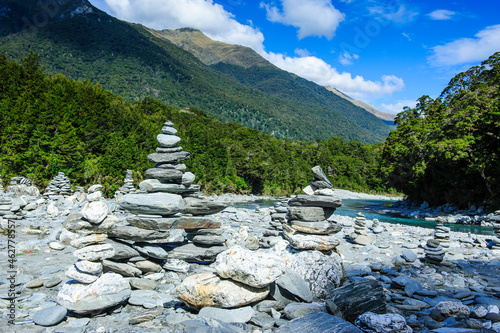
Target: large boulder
column 108, row 290
column 207, row 289
column 351, row 301
column 163, row 204
column 256, row 269
column 323, row 273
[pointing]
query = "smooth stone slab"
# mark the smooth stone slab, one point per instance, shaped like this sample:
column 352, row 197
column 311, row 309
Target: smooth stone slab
column 176, row 265
column 155, row 186
column 143, row 284
column 164, row 175
column 168, row 130
column 195, row 222
column 95, row 252
column 120, row 268
column 89, row 267
column 256, row 269
column 198, row 206
column 168, row 140
column 318, row 322
column 208, row 325
column 207, row 289
column 152, row 203
column 147, row 266
column 109, row 290
column 316, row 228
column 88, row 240
column 169, row 158
column 137, row 234
column 52, row 282
column 241, row 315
column 82, row 277
column 122, row 251
column 293, row 283
column 315, row 201
column 50, row 316
column 157, row 251
column 307, row 214
column 296, row 310
column 207, row 239
column 387, row 323
column 193, row 253
column 188, row 178
column 150, row 222
column 318, row 174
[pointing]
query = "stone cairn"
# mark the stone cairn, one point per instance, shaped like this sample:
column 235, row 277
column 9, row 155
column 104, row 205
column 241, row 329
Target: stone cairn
column 307, row 224
column 442, row 234
column 59, row 185
column 495, row 221
column 360, row 235
column 21, row 186
column 128, row 184
column 376, row 227
column 1, row 186
column 90, row 291
column 171, row 201
column 434, row 252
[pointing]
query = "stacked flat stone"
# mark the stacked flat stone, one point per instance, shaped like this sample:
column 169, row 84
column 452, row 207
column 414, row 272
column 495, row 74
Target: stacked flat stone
column 1, row 186
column 360, row 235
column 376, row 227
column 59, row 185
column 308, row 226
column 171, row 201
column 279, row 212
column 434, row 252
column 128, row 183
column 442, row 234
column 5, row 206
column 91, row 290
column 21, row 186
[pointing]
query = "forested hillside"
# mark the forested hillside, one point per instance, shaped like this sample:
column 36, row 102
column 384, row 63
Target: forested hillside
column 51, row 123
column 83, row 42
column 447, row 150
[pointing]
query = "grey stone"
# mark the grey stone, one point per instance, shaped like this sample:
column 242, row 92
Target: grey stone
column 89, row 267
column 79, row 276
column 137, row 234
column 207, row 239
column 168, row 140
column 152, row 203
column 76, row 224
column 293, row 283
column 109, row 290
column 318, row 322
column 95, row 252
column 194, row 253
column 240, row 315
column 409, row 255
column 198, row 206
column 168, row 158
column 52, row 282
column 147, row 266
column 157, row 251
column 144, row 284
column 95, row 212
column 296, row 310
column 309, row 242
column 316, row 228
column 207, row 325
column 122, row 251
column 176, row 265
column 154, row 186
column 383, row 323
column 318, row 174
column 164, row 175
column 188, row 178
column 121, row 268
column 307, row 214
column 50, row 316
column 412, row 287
column 350, row 301
column 315, row 201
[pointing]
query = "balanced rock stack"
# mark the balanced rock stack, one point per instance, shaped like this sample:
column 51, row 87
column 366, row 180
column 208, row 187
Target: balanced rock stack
column 376, row 227
column 21, row 186
column 59, row 185
column 442, row 234
column 279, row 212
column 90, row 291
column 496, row 230
column 128, row 183
column 308, row 226
column 360, row 235
column 434, row 252
column 1, row 186
column 171, row 201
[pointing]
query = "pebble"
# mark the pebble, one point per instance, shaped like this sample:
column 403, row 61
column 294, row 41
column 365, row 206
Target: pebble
column 50, row 316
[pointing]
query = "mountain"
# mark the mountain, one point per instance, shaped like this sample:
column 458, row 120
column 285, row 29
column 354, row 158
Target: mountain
column 252, row 70
column 81, row 42
column 388, row 118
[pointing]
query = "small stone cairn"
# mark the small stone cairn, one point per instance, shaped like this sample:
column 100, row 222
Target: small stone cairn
column 59, row 185
column 376, row 227
column 360, row 235
column 278, row 213
column 442, row 234
column 128, row 184
column 171, row 201
column 21, row 186
column 495, row 221
column 308, row 226
column 434, row 252
column 90, row 291
column 1, row 187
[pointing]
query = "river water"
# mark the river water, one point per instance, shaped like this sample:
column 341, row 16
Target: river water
column 376, row 209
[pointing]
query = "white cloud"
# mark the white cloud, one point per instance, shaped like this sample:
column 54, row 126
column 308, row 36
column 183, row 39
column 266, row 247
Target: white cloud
column 318, row 71
column 302, row 52
column 348, row 59
column 397, row 107
column 441, row 14
column 400, row 14
column 205, row 15
column 312, row 17
column 467, row 50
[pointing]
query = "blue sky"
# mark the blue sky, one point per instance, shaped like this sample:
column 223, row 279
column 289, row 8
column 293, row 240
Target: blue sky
column 387, row 53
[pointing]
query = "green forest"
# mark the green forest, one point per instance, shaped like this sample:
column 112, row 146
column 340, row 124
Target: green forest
column 51, row 123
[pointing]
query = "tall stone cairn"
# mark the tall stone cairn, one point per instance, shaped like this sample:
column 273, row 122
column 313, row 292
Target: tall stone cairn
column 128, row 183
column 495, row 221
column 59, row 185
column 1, row 186
column 21, row 186
column 171, row 201
column 307, row 224
column 434, row 252
column 442, row 234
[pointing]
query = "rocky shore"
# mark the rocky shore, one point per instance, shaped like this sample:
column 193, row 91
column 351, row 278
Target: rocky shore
column 164, row 258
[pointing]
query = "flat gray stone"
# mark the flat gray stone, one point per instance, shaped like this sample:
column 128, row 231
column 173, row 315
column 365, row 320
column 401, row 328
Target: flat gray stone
column 50, row 316
column 315, row 201
column 240, row 315
column 152, row 203
column 199, row 206
column 318, row 322
column 137, row 234
column 296, row 310
column 169, row 158
column 164, row 174
column 168, row 140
